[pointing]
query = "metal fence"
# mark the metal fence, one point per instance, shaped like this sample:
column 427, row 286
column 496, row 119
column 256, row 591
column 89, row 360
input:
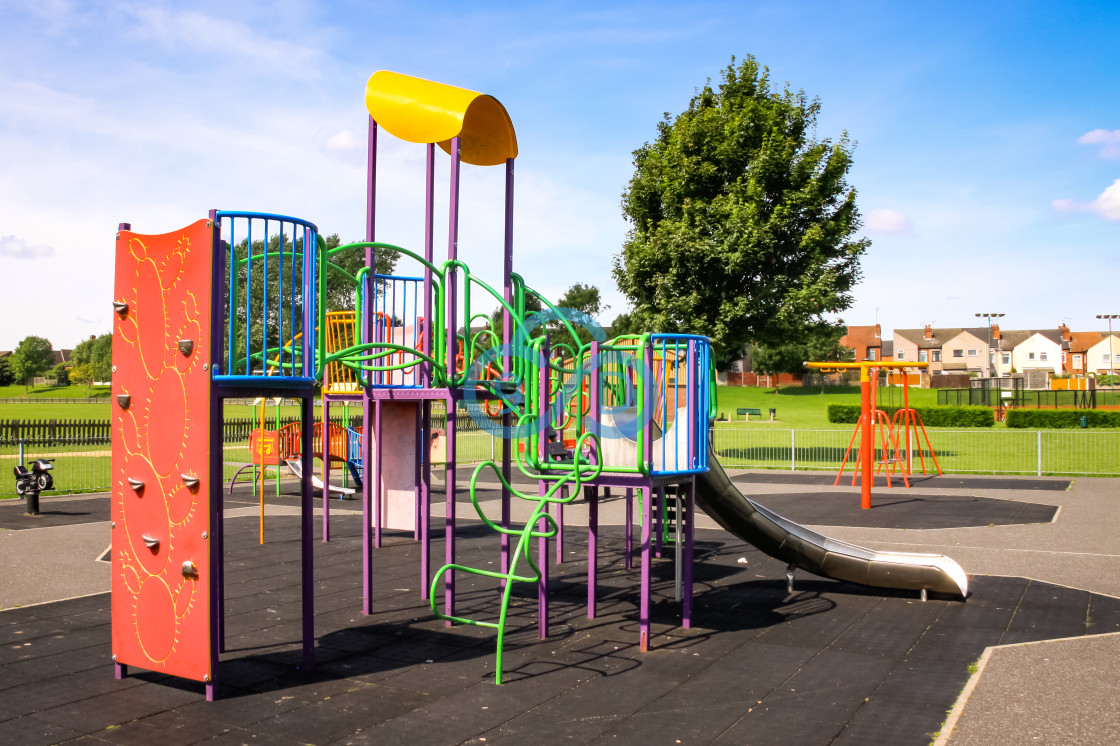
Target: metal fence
column 83, row 464
column 1037, row 452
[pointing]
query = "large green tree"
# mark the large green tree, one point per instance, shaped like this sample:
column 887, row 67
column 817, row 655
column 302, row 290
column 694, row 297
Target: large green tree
column 33, row 357
column 742, row 221
column 815, row 342
column 96, row 352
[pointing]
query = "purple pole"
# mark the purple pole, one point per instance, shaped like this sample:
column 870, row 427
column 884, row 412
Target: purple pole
column 542, row 564
column 367, row 401
column 592, row 548
column 560, row 526
column 542, row 439
column 216, row 581
column 377, row 496
column 507, row 360
column 643, row 612
column 367, row 503
column 659, row 527
column 307, row 516
column 689, row 527
column 452, row 300
column 325, row 444
column 426, row 502
column 416, row 476
column 629, row 528
column 429, row 242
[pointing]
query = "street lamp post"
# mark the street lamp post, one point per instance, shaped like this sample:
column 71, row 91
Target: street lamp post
column 989, row 317
column 1111, row 355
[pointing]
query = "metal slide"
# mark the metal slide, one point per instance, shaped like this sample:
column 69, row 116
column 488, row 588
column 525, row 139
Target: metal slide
column 799, row 547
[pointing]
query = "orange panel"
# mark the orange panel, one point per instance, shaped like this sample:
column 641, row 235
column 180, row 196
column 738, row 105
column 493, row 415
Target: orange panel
column 161, row 444
column 264, row 447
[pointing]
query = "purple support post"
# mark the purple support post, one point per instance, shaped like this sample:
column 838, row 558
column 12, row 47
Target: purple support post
column 629, row 528
column 592, row 548
column 643, row 612
column 429, row 242
column 325, row 444
column 367, row 504
column 452, row 302
column 426, row 500
column 416, row 473
column 543, row 421
column 449, row 508
column 375, row 474
column 657, row 511
column 689, row 526
column 307, row 516
column 367, row 401
column 217, row 421
column 560, row 526
column 507, row 359
column 120, row 670
column 542, row 564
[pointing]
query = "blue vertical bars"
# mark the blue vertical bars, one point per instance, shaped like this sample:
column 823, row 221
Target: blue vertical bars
column 276, row 352
column 691, row 354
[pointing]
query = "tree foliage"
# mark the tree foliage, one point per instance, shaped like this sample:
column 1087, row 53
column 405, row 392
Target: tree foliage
column 742, row 221
column 814, row 343
column 82, row 374
column 98, row 354
column 582, row 298
column 340, row 290
column 7, row 378
column 32, row 357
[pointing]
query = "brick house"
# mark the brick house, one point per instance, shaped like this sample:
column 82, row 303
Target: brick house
column 866, row 342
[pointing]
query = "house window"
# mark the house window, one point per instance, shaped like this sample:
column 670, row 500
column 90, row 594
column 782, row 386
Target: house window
column 972, row 353
column 900, row 355
column 1104, row 358
column 1063, row 357
column 1042, row 356
column 871, row 353
column 958, row 353
column 1030, row 356
column 922, row 356
column 1007, row 358
column 1077, row 361
column 937, row 356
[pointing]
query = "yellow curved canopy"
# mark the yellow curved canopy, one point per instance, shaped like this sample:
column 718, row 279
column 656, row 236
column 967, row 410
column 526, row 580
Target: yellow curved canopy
column 423, row 111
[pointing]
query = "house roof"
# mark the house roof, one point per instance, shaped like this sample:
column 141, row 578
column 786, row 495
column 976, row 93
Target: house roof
column 1078, row 342
column 940, row 336
column 861, row 337
column 1015, row 337
column 888, row 348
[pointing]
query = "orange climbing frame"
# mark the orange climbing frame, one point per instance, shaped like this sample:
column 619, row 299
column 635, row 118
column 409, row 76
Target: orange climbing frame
column 161, row 518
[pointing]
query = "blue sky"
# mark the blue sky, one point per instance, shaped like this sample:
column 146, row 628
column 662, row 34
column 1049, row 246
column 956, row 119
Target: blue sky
column 987, row 165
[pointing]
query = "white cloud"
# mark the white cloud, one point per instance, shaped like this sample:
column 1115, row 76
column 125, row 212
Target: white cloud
column 1108, row 140
column 343, row 140
column 1107, row 205
column 887, row 221
column 21, row 249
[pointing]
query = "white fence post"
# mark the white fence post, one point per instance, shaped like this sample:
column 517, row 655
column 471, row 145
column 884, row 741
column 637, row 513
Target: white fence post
column 1039, row 441
column 792, row 450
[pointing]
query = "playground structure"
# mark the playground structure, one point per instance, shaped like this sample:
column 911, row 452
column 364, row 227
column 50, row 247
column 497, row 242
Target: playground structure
column 240, row 304
column 894, row 451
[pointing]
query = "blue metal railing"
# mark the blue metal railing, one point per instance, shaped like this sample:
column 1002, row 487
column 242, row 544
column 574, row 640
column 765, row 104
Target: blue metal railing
column 270, row 305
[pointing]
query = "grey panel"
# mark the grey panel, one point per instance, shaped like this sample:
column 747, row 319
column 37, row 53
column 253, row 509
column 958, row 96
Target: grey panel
column 797, row 545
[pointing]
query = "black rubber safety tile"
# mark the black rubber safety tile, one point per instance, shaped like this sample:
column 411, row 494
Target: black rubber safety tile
column 345, row 714
column 170, row 728
column 940, row 481
column 31, row 730
column 96, row 713
column 904, row 509
column 53, row 511
column 788, row 717
column 1103, row 615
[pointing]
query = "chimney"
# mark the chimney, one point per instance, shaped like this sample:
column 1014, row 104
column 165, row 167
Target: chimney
column 929, row 332
column 1065, row 332
column 995, row 331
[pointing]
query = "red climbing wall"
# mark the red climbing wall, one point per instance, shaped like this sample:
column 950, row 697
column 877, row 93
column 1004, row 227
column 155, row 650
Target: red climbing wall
column 161, row 471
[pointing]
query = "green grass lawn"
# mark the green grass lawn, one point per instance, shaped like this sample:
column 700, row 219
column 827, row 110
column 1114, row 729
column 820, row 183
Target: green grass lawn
column 807, row 407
